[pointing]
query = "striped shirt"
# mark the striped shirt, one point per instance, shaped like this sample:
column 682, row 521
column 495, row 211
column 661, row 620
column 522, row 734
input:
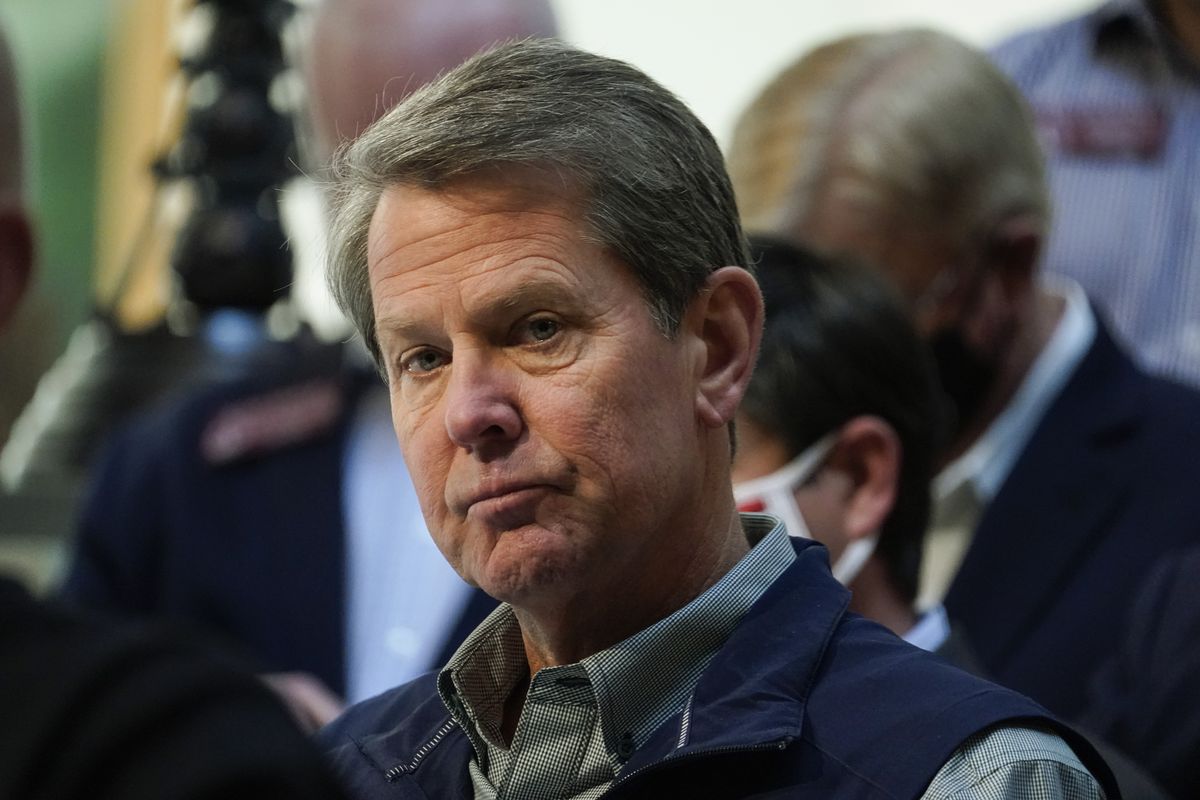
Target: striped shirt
column 581, row 722
column 1118, row 109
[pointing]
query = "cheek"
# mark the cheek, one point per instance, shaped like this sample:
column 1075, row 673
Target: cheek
column 428, row 458
column 629, row 436
column 597, row 419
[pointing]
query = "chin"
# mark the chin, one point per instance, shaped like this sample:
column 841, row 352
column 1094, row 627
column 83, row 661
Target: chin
column 526, row 564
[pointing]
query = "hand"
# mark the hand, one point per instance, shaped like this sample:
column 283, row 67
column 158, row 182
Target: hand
column 311, row 703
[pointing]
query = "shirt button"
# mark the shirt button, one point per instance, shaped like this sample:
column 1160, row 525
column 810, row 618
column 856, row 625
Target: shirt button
column 625, row 746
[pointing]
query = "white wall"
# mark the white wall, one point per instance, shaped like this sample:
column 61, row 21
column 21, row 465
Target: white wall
column 715, row 54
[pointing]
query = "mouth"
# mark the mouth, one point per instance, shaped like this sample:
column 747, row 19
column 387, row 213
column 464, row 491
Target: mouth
column 507, row 506
column 493, row 494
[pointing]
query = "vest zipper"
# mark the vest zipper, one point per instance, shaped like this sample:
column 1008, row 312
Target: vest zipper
column 424, row 750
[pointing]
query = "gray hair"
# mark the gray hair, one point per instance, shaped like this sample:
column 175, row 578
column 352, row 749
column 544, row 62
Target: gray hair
column 651, row 175
column 919, row 125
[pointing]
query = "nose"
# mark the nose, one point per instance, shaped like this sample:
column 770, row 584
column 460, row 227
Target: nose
column 481, row 407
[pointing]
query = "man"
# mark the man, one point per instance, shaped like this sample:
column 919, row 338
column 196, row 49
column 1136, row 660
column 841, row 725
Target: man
column 837, row 436
column 1069, row 470
column 1116, row 96
column 276, row 511
column 542, row 251
column 91, row 710
column 839, row 428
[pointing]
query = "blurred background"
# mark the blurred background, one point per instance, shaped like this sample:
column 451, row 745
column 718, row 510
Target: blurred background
column 105, row 103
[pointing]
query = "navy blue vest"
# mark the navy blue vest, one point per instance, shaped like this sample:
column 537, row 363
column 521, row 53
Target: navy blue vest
column 804, row 700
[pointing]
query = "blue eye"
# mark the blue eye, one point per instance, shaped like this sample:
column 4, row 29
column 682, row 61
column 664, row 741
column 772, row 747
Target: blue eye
column 424, row 361
column 543, row 328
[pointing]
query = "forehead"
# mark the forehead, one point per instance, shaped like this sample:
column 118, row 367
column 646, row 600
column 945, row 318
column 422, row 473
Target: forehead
column 421, row 220
column 480, row 241
column 847, row 221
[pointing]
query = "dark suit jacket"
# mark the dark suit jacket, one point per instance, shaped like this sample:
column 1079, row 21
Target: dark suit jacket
column 1147, row 698
column 246, row 540
column 1108, row 483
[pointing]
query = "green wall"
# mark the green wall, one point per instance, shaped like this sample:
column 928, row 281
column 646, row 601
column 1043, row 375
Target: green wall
column 58, row 46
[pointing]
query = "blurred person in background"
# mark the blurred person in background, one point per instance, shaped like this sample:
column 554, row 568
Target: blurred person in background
column 1144, row 698
column 94, row 710
column 839, row 429
column 1068, row 470
column 1116, row 96
column 838, row 434
column 277, row 512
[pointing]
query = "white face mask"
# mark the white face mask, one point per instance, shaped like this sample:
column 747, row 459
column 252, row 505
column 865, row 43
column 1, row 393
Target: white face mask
column 775, row 494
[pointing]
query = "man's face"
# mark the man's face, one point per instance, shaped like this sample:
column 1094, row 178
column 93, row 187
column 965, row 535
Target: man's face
column 550, row 428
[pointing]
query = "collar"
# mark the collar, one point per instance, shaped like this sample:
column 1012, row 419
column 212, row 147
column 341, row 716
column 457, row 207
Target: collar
column 638, row 683
column 752, row 696
column 987, row 463
column 931, row 630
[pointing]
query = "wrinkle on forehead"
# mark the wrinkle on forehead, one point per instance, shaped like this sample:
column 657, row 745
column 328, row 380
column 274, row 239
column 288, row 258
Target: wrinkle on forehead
column 432, row 252
column 466, row 206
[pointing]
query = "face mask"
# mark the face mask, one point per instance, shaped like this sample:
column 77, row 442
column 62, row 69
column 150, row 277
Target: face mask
column 965, row 377
column 775, row 494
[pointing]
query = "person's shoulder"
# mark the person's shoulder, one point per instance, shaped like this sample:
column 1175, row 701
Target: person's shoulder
column 234, row 420
column 869, row 673
column 1170, row 412
column 1014, row 760
column 412, row 705
column 1114, row 385
column 371, row 740
column 1029, row 52
column 1174, row 402
column 922, row 710
column 98, row 709
column 862, row 648
column 1038, row 36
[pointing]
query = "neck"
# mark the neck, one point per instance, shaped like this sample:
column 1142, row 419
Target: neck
column 1031, row 333
column 1182, row 17
column 875, row 597
column 565, row 630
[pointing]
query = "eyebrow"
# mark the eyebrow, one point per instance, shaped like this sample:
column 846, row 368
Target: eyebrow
column 550, row 294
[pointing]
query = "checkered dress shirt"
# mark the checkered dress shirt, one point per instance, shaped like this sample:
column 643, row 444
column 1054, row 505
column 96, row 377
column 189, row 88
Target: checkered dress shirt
column 581, row 722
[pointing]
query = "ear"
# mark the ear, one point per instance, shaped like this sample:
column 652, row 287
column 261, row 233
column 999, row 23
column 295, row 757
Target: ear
column 868, row 452
column 16, row 259
column 726, row 320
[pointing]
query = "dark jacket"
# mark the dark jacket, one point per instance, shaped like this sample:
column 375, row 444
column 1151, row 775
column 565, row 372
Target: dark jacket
column 1147, row 698
column 1106, row 485
column 224, row 509
column 805, row 699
